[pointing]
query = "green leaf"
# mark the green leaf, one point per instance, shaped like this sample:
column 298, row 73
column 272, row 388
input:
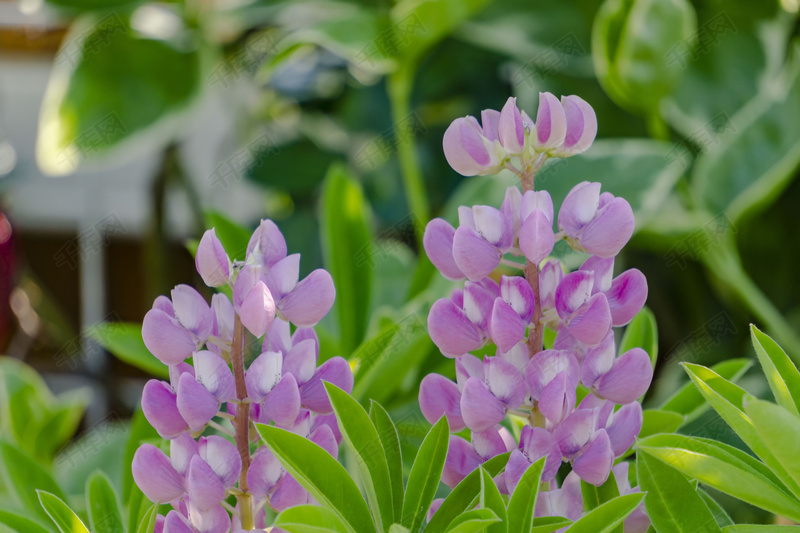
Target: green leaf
column 111, row 84
column 390, row 440
column 65, row 518
column 780, row 431
column 60, row 424
column 22, row 476
column 103, row 505
column 671, row 502
column 689, row 402
column 148, row 523
column 80, row 6
column 472, row 521
column 397, row 528
column 234, row 238
column 548, row 524
column 18, row 522
column 347, row 246
column 756, row 155
column 124, row 341
column 720, row 514
column 492, row 499
column 466, row 494
column 759, row 528
column 721, row 471
column 631, row 44
column 594, row 497
column 137, row 506
column 320, row 474
column 608, row 516
column 522, row 504
column 309, row 519
column 642, row 333
column 361, row 435
column 658, row 421
column 782, row 374
column 426, row 472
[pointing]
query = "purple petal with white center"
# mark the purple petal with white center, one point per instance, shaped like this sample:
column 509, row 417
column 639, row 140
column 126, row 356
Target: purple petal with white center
column 594, row 464
column 475, row 257
column 181, row 451
column 536, row 239
column 203, row 485
column 223, row 311
column 222, row 457
column 591, row 323
column 451, row 331
column 176, row 371
column 536, row 443
column 603, row 268
column 625, row 427
column 310, row 300
column 574, row 432
column 517, row 356
column 510, row 129
column 511, row 209
column 166, row 339
column 335, row 370
column 581, row 126
column 263, row 374
column 214, row 520
column 211, row 261
column 278, row 337
column 461, row 460
column 579, row 208
column 489, row 121
column 517, row 292
column 557, row 399
column 626, row 296
column 289, row 494
column 465, row 217
column 164, row 304
column 495, row 228
column 324, row 437
column 283, row 402
column 504, row 381
column 306, row 334
column 283, row 276
column 196, row 405
column 192, row 310
column 468, row 366
column 160, row 408
column 488, row 443
column 264, row 473
column 551, row 123
column 610, row 230
column 546, row 365
column 214, row 374
column 536, row 201
column 628, row 379
column 480, row 409
column 258, row 309
column 154, row 475
column 466, row 149
column 439, row 396
column 267, row 245
column 177, row 523
column 506, row 327
column 573, row 292
column 438, row 244
column 598, row 360
column 478, row 302
column 550, row 276
column 301, row 361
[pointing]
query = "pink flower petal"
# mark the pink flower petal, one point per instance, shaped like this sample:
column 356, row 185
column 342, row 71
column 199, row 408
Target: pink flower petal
column 160, row 408
column 475, row 257
column 154, row 475
column 451, row 331
column 166, row 339
column 438, row 244
column 480, row 409
column 439, row 396
column 310, row 300
column 196, row 405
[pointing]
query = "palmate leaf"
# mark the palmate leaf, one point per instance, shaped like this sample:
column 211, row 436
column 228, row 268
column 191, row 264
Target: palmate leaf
column 782, row 374
column 606, row 518
column 426, row 472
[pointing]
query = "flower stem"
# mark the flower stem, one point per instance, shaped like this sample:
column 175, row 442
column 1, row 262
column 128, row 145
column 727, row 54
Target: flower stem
column 241, row 423
column 536, row 336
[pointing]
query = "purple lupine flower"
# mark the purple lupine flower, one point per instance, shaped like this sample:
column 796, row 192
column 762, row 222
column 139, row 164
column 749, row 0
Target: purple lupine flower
column 551, row 124
column 566, row 501
column 463, row 457
column 212, row 263
column 581, row 126
column 534, row 443
column 599, row 224
column 586, row 316
column 620, row 379
column 637, row 521
column 473, row 149
column 626, row 293
column 439, row 396
column 536, row 239
column 483, row 236
column 552, row 377
column 511, row 128
column 461, row 324
column 488, row 396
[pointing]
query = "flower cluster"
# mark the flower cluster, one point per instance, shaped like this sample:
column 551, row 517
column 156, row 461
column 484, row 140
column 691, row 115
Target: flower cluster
column 578, row 398
column 207, row 407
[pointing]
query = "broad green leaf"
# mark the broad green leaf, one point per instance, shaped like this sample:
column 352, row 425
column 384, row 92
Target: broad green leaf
column 492, row 499
column 361, row 435
column 631, row 45
column 18, row 522
column 757, row 153
column 548, row 524
column 320, row 474
column 642, row 333
column 689, row 402
column 397, row 528
column 148, row 522
column 658, row 421
column 522, row 503
column 671, row 502
column 720, row 514
column 782, row 374
column 234, row 238
column 103, row 505
column 309, row 519
column 347, row 246
column 780, row 431
column 390, row 440
column 60, row 424
column 759, row 528
column 59, row 512
column 594, row 496
column 137, row 506
column 608, row 516
column 426, row 472
column 25, row 399
column 22, row 476
column 111, row 84
column 726, row 474
column 472, row 521
column 124, row 341
column 465, row 496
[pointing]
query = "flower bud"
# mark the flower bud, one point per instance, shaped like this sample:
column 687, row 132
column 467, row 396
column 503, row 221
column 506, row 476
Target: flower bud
column 211, row 261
